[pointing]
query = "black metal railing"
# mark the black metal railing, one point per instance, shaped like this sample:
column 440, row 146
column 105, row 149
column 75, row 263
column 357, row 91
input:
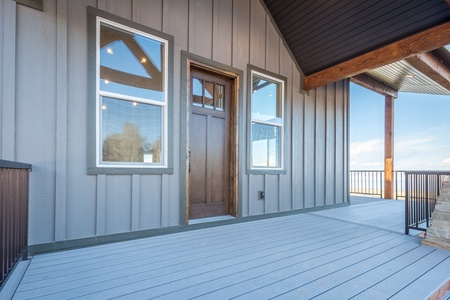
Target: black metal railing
column 370, row 182
column 14, row 181
column 366, row 182
column 422, row 190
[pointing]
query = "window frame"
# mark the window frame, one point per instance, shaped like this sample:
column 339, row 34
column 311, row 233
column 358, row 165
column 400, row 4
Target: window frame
column 95, row 166
column 278, row 79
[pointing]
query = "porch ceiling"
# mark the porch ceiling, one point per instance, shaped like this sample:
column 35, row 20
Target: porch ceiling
column 323, row 34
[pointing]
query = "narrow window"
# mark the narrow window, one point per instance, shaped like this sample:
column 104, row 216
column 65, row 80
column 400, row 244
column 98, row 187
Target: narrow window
column 131, row 97
column 267, row 122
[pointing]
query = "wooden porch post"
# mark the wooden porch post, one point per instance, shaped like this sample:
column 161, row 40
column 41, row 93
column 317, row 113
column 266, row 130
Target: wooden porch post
column 388, row 147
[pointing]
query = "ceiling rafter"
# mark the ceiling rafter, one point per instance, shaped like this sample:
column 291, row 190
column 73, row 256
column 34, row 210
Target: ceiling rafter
column 374, row 85
column 432, row 67
column 424, row 41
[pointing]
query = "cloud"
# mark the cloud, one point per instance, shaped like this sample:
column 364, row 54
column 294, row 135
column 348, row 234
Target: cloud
column 367, row 154
column 424, row 150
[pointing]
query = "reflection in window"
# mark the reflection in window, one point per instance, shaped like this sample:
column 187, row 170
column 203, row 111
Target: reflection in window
column 266, row 145
column 132, row 97
column 197, row 94
column 131, row 64
column 267, row 122
column 131, row 132
column 209, row 92
column 208, row 95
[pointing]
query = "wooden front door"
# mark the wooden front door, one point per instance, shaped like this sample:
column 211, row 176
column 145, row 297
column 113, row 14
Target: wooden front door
column 209, row 148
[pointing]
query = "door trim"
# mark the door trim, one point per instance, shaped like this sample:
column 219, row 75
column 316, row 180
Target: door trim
column 236, row 76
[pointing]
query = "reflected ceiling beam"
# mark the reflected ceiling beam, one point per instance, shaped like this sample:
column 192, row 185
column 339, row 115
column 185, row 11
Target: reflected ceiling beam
column 120, row 77
column 432, row 67
column 374, row 85
column 424, row 41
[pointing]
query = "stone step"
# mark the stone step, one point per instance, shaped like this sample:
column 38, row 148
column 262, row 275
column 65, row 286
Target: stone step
column 443, row 216
column 438, row 233
column 440, row 224
column 442, row 206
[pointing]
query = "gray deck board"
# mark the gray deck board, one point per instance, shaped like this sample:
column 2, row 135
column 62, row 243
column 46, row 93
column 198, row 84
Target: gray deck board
column 339, row 253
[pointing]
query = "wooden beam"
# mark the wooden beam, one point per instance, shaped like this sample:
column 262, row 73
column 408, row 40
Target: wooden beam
column 432, row 67
column 130, row 79
column 388, row 147
column 424, row 41
column 374, row 85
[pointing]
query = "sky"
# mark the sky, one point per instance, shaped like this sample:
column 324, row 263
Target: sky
column 421, row 131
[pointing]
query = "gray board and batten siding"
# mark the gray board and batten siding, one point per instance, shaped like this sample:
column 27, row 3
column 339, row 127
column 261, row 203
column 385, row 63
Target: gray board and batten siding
column 44, row 119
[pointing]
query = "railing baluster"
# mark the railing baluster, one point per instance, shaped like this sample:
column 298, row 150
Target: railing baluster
column 13, row 215
column 419, row 188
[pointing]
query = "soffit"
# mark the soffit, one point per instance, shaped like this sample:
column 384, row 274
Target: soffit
column 403, row 77
column 324, row 33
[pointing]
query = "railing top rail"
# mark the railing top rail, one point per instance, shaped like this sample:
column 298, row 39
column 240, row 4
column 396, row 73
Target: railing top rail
column 428, row 172
column 14, row 165
column 408, row 171
column 366, row 171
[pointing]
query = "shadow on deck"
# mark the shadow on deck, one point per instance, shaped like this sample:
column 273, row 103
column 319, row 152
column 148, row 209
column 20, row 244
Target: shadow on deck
column 356, row 252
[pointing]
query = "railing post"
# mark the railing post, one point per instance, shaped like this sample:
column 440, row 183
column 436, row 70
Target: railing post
column 427, row 200
column 406, row 204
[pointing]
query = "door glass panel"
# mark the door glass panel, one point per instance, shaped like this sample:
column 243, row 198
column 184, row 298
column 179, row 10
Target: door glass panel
column 266, row 100
column 209, row 95
column 197, row 92
column 220, row 103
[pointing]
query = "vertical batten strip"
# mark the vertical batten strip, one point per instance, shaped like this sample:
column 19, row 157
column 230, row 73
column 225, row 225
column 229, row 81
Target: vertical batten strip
column 346, row 141
column 335, row 142
column 291, row 155
column 314, row 176
column 135, row 201
column 249, row 199
column 279, row 192
column 164, row 200
column 232, row 35
column 101, row 205
column 135, row 8
column 101, row 4
column 336, row 93
column 213, row 18
column 249, row 34
column 61, row 120
column 8, row 108
column 265, row 191
column 303, row 146
column 325, row 152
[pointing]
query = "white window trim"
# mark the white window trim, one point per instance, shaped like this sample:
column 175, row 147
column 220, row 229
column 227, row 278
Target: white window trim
column 282, row 125
column 99, row 94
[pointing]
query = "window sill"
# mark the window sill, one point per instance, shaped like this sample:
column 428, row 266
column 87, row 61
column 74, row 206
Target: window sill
column 266, row 172
column 129, row 171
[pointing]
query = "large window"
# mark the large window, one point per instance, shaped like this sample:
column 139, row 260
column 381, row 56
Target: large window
column 131, row 98
column 267, row 122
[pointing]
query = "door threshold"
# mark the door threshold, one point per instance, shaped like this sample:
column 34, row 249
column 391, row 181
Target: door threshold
column 210, row 219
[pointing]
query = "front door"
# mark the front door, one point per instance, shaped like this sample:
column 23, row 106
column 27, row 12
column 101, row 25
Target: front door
column 209, row 148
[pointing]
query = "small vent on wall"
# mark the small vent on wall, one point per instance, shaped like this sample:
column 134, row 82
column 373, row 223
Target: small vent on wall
column 36, row 4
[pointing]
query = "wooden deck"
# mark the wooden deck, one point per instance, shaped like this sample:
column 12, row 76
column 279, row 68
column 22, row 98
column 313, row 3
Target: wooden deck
column 345, row 253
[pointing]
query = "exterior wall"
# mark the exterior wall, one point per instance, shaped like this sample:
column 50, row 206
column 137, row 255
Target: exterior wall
column 47, row 124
